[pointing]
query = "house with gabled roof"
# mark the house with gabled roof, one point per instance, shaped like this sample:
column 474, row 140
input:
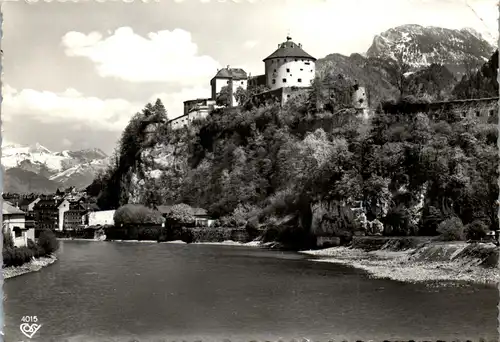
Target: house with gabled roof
column 14, row 222
column 233, row 78
column 200, row 215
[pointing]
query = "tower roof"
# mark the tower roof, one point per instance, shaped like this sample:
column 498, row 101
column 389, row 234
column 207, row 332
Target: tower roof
column 290, row 49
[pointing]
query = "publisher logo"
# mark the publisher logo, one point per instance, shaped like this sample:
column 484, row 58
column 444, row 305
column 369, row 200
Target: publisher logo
column 29, row 327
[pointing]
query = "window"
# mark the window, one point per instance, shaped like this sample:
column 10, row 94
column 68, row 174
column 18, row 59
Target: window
column 241, row 82
column 478, row 113
column 284, row 80
column 227, row 82
column 288, row 96
column 17, row 232
column 491, row 113
column 307, row 63
column 287, row 70
column 274, row 70
column 274, row 81
column 301, row 69
column 299, row 80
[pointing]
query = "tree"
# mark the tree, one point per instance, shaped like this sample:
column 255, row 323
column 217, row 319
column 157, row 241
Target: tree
column 224, row 97
column 136, row 214
column 452, row 229
column 180, row 213
column 476, row 230
column 8, row 241
column 241, row 95
column 48, row 242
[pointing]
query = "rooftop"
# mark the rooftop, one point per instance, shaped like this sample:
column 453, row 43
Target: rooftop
column 234, row 73
column 290, row 49
column 199, row 100
column 8, row 209
column 165, row 209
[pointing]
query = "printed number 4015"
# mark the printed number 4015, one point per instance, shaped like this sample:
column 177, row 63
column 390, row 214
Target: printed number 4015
column 29, row 319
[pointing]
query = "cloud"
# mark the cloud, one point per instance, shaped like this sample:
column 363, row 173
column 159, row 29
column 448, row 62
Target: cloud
column 73, row 120
column 163, row 56
column 66, row 142
column 250, row 44
column 70, row 107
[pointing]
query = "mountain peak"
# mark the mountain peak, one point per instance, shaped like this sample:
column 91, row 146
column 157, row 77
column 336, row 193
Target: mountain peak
column 38, row 148
column 422, row 46
column 67, row 167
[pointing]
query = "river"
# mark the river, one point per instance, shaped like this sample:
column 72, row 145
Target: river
column 111, row 291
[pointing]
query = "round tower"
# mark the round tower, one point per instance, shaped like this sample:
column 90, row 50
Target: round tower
column 289, row 66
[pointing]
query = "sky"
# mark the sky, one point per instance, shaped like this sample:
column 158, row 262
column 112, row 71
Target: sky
column 74, row 73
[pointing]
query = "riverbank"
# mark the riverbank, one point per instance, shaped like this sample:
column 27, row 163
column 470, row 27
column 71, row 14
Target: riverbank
column 32, row 266
column 429, row 261
column 223, row 243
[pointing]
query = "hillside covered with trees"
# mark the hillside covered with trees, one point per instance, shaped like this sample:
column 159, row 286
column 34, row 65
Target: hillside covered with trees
column 296, row 170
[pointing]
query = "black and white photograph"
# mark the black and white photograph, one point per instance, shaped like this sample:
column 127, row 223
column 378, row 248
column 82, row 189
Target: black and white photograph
column 250, row 171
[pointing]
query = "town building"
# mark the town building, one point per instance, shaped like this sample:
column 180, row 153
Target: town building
column 59, row 214
column 27, row 204
column 72, row 215
column 99, row 218
column 14, row 222
column 200, row 215
column 46, row 213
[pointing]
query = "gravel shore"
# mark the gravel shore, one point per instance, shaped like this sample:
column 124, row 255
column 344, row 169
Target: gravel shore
column 32, row 266
column 409, row 265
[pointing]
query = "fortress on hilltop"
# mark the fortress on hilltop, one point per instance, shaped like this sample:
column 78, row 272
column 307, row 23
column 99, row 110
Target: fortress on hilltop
column 288, row 70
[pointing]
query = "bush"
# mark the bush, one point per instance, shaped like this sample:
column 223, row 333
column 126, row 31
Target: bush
column 48, row 242
column 476, row 230
column 187, row 236
column 180, row 214
column 31, row 244
column 149, row 233
column 132, row 214
column 252, row 228
column 17, row 256
column 451, row 229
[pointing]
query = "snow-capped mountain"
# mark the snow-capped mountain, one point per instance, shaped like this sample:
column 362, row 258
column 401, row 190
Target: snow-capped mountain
column 66, row 168
column 421, row 46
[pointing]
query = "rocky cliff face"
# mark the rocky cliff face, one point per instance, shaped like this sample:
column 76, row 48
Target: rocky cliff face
column 161, row 162
column 421, row 46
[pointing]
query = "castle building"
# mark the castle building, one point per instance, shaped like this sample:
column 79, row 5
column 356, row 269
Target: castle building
column 230, row 77
column 289, row 66
column 287, row 70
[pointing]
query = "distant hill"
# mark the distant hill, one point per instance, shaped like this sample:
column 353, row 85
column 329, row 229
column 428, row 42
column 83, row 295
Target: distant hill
column 376, row 74
column 435, row 82
column 17, row 180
